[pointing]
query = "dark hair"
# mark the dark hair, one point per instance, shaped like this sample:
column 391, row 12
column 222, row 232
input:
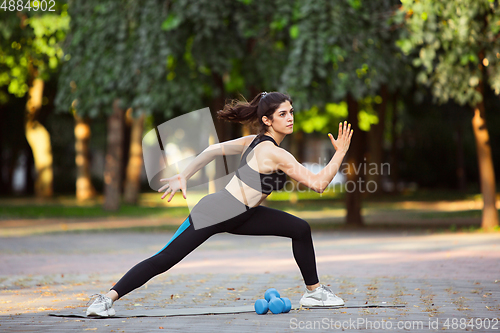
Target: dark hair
column 243, row 112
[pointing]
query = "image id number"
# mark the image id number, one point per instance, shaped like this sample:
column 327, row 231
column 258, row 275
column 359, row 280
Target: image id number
column 478, row 323
column 19, row 5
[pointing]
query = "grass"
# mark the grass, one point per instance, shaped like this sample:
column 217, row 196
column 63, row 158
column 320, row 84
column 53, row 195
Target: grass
column 336, row 193
column 462, row 213
column 152, row 206
column 27, row 211
column 309, row 205
column 409, row 207
column 95, row 211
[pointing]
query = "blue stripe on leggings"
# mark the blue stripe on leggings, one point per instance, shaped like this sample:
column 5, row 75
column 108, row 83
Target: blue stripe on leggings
column 179, row 231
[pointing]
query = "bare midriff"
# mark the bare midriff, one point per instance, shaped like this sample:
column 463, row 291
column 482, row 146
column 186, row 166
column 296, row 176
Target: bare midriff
column 241, row 191
column 244, row 193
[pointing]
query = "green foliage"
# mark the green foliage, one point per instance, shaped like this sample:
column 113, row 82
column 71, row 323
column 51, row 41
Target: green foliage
column 30, row 47
column 116, row 49
column 314, row 120
column 294, row 31
column 172, row 58
column 167, row 58
column 171, row 22
column 74, row 211
column 451, row 38
column 326, row 119
column 367, row 115
column 343, row 47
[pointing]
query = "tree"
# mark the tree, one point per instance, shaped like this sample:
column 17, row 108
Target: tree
column 117, row 53
column 225, row 48
column 458, row 45
column 30, row 54
column 346, row 53
column 84, row 188
column 135, row 161
column 199, row 55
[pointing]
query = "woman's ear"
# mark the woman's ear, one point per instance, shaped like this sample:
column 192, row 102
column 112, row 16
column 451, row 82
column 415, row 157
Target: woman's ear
column 266, row 121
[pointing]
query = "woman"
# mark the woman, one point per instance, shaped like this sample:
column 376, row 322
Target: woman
column 264, row 166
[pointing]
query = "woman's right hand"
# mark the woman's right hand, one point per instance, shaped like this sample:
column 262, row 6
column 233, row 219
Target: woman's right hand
column 344, row 139
column 174, row 183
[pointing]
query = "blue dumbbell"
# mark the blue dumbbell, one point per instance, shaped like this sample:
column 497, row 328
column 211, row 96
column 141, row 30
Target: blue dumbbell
column 276, row 304
column 288, row 304
column 261, row 306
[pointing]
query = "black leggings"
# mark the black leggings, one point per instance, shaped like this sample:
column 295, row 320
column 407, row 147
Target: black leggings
column 254, row 221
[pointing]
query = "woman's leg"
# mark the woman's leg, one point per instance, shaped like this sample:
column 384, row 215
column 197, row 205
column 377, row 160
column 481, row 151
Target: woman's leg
column 273, row 222
column 184, row 241
column 213, row 214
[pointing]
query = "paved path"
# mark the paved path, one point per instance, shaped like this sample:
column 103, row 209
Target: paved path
column 443, row 279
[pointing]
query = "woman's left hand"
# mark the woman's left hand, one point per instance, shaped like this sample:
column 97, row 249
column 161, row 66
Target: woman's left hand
column 174, row 183
column 344, row 139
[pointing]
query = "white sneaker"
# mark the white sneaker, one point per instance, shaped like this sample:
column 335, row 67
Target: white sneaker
column 102, row 306
column 321, row 296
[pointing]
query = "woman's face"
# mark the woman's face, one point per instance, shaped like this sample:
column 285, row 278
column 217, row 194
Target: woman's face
column 283, row 118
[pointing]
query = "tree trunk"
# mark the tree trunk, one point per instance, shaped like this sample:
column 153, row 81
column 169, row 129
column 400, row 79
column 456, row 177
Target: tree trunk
column 39, row 140
column 394, row 171
column 216, row 105
column 224, row 133
column 12, row 162
column 112, row 168
column 486, row 170
column 294, row 149
column 297, row 146
column 135, row 162
column 30, row 180
column 461, row 181
column 3, row 165
column 354, row 165
column 84, row 188
column 376, row 145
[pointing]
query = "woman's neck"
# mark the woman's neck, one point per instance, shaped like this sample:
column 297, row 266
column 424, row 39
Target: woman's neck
column 278, row 137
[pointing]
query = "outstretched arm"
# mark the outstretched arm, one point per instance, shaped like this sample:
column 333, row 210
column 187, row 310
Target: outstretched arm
column 231, row 147
column 317, row 182
column 178, row 182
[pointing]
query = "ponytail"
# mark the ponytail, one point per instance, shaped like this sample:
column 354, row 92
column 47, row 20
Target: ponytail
column 243, row 112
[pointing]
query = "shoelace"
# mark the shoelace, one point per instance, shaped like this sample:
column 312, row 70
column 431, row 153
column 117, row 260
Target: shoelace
column 99, row 298
column 328, row 290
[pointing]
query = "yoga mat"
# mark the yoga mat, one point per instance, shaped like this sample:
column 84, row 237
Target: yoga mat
column 167, row 312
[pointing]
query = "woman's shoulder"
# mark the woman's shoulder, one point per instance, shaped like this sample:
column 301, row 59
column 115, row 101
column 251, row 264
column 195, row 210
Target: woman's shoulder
column 250, row 138
column 244, row 140
column 267, row 147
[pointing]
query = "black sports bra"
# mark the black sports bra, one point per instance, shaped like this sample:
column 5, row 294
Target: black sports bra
column 264, row 182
